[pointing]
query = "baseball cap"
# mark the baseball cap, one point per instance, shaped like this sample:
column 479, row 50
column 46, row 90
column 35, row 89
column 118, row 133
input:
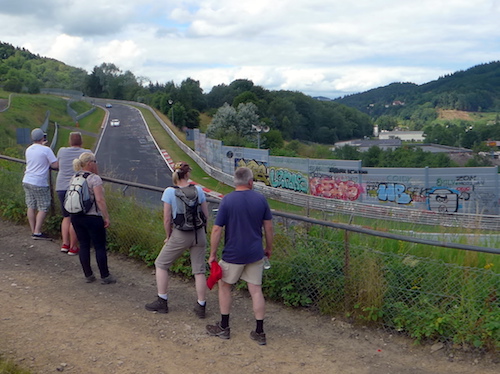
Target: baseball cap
column 215, row 274
column 37, row 135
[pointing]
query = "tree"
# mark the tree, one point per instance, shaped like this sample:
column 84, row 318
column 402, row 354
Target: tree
column 273, row 139
column 234, row 126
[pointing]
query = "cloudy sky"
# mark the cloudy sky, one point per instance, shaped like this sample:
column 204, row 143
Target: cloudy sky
column 318, row 47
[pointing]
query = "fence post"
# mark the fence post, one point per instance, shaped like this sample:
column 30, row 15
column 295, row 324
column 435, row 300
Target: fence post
column 347, row 269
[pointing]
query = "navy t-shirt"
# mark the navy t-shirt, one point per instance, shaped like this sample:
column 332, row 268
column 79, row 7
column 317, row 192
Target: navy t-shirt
column 242, row 214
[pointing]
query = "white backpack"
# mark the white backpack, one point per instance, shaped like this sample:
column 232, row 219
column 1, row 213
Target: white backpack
column 78, row 198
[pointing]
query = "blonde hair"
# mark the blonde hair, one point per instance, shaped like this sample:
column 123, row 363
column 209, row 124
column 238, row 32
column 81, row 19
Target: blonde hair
column 82, row 161
column 181, row 169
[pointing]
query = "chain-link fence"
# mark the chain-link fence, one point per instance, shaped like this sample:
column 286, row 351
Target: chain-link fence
column 424, row 288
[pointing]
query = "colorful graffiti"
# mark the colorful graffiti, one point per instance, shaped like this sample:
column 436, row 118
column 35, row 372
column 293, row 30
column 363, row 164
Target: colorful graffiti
column 393, row 192
column 289, row 180
column 443, row 200
column 334, row 188
column 258, row 168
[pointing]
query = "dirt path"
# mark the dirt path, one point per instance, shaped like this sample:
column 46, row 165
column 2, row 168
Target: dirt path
column 50, row 320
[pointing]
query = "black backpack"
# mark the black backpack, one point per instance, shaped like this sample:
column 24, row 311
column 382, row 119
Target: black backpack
column 189, row 216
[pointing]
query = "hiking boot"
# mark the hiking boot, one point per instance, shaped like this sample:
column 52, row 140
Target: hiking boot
column 160, row 306
column 260, row 338
column 65, row 248
column 199, row 310
column 217, row 330
column 40, row 236
column 108, row 280
column 73, row 251
column 90, row 279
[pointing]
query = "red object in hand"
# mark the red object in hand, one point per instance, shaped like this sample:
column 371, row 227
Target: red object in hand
column 215, row 274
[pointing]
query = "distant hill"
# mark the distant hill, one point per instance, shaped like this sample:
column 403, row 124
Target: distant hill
column 23, row 71
column 475, row 89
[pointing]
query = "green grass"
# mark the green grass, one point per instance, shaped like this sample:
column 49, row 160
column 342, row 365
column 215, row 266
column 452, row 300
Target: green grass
column 8, row 367
column 80, row 106
column 91, row 124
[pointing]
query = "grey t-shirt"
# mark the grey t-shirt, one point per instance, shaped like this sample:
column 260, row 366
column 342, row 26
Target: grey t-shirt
column 66, row 155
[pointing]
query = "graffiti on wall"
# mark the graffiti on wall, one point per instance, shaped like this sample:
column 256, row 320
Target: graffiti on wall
column 275, row 177
column 440, row 198
column 287, row 179
column 334, row 188
column 259, row 169
column 393, row 192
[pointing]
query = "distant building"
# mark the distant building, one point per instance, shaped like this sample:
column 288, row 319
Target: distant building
column 407, row 136
column 364, row 145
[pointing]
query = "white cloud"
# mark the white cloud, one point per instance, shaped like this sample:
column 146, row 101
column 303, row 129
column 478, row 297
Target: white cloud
column 319, row 47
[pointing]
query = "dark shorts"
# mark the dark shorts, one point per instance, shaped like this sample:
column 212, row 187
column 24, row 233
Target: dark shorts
column 61, row 195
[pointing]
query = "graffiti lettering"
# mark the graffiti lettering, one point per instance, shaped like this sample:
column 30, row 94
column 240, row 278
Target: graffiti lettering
column 347, row 171
column 258, row 168
column 466, row 178
column 399, row 178
column 334, row 188
column 283, row 178
column 393, row 192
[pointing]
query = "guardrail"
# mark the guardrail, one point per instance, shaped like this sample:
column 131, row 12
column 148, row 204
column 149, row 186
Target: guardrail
column 374, row 277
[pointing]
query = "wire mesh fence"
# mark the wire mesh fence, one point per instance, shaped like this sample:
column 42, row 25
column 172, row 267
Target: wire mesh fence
column 424, row 288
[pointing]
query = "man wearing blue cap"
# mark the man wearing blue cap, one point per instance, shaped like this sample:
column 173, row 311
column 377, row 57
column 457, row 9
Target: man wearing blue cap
column 39, row 159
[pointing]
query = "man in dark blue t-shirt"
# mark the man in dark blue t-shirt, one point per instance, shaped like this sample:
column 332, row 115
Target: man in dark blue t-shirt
column 243, row 213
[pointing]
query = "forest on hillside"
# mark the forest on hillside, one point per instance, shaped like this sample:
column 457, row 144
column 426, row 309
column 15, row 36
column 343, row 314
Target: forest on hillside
column 289, row 115
column 475, row 90
column 298, row 124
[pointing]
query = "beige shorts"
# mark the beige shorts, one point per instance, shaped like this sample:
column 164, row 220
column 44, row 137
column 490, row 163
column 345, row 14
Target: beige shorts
column 250, row 273
column 181, row 241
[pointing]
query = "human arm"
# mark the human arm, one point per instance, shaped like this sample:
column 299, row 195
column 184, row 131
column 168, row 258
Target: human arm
column 167, row 219
column 268, row 234
column 101, row 204
column 55, row 165
column 214, row 242
column 204, row 209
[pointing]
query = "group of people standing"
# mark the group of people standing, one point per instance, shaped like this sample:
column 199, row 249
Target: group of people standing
column 243, row 216
column 79, row 231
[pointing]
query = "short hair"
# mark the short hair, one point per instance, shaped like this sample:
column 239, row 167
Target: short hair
column 75, row 139
column 242, row 176
column 82, row 161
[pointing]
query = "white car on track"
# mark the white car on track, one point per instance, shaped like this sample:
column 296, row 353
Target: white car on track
column 115, row 123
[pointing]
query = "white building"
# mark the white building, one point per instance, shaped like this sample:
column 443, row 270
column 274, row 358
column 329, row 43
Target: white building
column 407, row 136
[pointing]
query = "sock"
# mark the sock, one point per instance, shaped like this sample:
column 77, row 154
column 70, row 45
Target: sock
column 202, row 303
column 260, row 326
column 164, row 296
column 224, row 322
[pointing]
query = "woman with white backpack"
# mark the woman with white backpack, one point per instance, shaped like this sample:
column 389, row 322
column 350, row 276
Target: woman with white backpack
column 90, row 226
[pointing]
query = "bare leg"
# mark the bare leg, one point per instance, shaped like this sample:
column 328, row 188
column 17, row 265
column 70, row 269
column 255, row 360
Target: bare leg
column 65, row 227
column 73, row 239
column 32, row 219
column 40, row 217
column 162, row 281
column 224, row 297
column 201, row 286
column 258, row 302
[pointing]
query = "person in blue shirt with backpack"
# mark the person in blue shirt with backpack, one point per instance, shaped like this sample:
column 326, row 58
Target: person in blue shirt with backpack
column 184, row 217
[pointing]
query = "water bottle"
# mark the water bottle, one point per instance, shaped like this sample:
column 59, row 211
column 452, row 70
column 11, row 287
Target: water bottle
column 267, row 264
